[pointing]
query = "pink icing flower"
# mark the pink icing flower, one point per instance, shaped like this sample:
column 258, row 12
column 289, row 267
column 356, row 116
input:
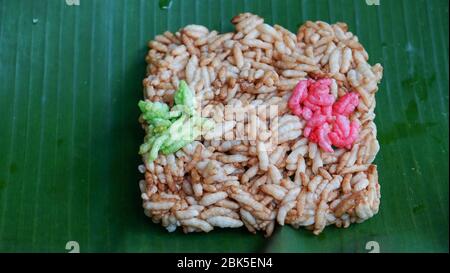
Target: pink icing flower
column 328, row 121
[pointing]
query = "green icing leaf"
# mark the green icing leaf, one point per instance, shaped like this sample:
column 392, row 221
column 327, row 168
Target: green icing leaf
column 170, row 130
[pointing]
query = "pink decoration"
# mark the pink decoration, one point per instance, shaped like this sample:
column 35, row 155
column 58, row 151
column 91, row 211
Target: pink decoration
column 327, row 120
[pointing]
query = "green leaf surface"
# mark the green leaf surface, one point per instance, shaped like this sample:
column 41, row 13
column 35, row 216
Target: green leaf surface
column 70, row 79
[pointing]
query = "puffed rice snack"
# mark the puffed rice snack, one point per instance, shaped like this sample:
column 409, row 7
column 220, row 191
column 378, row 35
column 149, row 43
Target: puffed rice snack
column 259, row 126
